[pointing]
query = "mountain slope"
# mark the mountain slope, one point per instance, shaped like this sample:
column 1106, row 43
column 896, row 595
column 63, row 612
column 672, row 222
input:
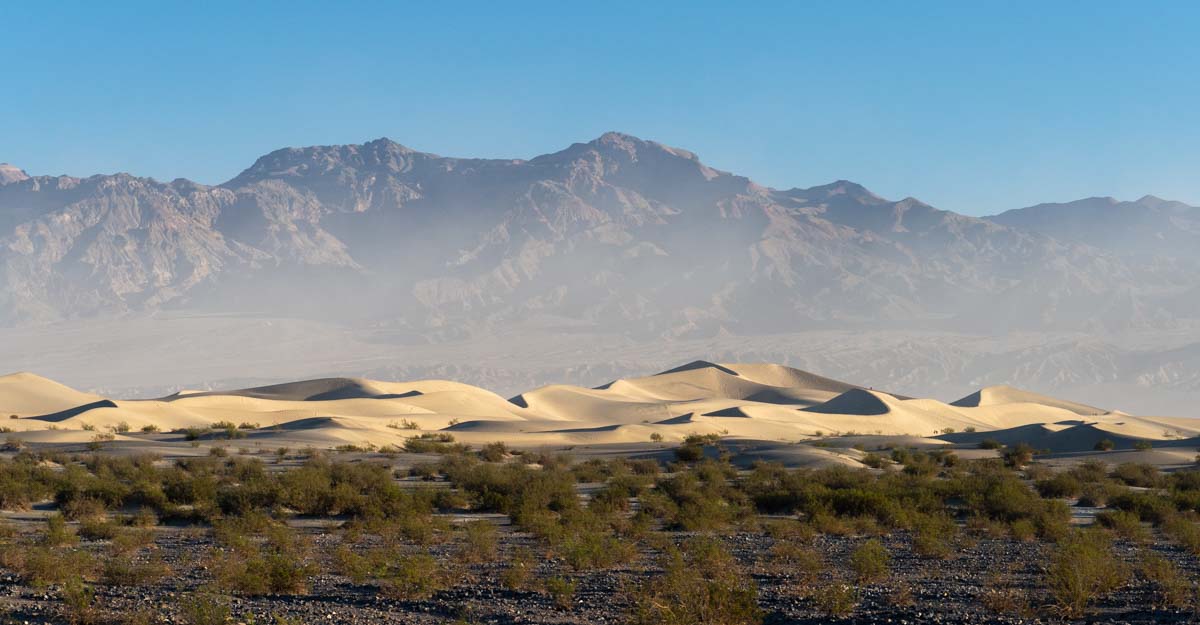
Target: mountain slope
column 617, row 234
column 1148, row 226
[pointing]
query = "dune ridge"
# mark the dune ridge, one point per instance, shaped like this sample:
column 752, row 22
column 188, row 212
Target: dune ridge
column 747, row 402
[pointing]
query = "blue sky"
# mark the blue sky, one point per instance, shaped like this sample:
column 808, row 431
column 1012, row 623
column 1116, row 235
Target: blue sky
column 972, row 106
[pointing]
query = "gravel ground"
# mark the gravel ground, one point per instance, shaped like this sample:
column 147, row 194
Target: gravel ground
column 917, row 590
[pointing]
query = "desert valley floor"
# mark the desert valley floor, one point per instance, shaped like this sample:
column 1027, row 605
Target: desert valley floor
column 717, row 494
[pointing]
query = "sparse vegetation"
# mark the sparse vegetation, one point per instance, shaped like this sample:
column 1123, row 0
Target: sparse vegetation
column 686, row 531
column 1082, row 569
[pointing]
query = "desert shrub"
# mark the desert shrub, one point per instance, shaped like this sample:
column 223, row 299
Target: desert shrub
column 703, row 498
column 990, row 443
column 130, row 540
column 870, row 561
column 22, row 482
column 1143, row 446
column 689, row 453
column 701, row 584
column 1082, row 569
column 205, row 609
column 591, row 550
column 1090, row 471
column 1104, row 444
column 1172, row 589
column 520, row 569
column 1022, row 529
column 1097, row 494
column 874, row 460
column 561, row 591
column 58, row 532
column 79, row 600
column 999, row 496
column 1002, row 597
column 416, row 576
column 1018, row 455
column 120, row 569
column 1124, row 524
column 802, row 561
column 41, row 566
column 434, row 443
column 1138, row 474
column 98, row 529
column 279, row 565
column 1060, row 485
column 837, row 599
column 494, row 452
column 933, row 536
column 479, row 543
column 1147, row 506
column 1183, row 531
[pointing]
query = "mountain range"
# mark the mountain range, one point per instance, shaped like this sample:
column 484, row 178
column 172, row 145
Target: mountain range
column 604, row 259
column 618, row 234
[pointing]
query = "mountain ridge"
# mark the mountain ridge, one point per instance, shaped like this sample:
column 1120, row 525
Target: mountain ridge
column 619, row 233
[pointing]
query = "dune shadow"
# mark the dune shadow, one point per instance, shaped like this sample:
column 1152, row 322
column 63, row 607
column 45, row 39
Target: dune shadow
column 76, row 411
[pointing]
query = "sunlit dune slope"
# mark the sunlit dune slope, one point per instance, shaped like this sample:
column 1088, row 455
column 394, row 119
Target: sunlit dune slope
column 751, row 402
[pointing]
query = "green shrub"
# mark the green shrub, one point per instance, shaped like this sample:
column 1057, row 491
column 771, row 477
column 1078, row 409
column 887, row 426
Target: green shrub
column 58, row 532
column 801, row 561
column 1147, row 506
column 434, row 443
column 1060, row 486
column 494, row 452
column 701, row 584
column 1018, row 456
column 689, row 453
column 79, row 600
column 1184, row 532
column 990, row 443
column 837, row 599
column 1124, row 524
column 120, row 569
column 874, row 460
column 870, row 561
column 1104, row 444
column 1082, row 569
column 933, row 536
column 1138, row 474
column 416, row 576
column 520, row 569
column 205, row 609
column 590, row 550
column 277, row 566
column 479, row 542
column 561, row 591
column 1143, row 445
column 1171, row 586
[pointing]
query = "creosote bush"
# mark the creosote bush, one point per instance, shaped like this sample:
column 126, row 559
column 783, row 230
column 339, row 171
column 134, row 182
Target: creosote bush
column 701, row 584
column 1082, row 569
column 869, row 561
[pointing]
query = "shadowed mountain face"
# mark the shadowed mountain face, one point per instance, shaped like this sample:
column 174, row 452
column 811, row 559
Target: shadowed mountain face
column 615, row 235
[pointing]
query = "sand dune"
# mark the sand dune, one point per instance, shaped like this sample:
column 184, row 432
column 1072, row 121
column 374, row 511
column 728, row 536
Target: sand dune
column 772, row 405
column 996, row 395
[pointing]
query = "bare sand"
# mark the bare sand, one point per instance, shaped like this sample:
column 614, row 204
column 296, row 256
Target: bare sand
column 768, row 409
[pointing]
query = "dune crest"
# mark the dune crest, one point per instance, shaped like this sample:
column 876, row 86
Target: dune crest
column 750, row 402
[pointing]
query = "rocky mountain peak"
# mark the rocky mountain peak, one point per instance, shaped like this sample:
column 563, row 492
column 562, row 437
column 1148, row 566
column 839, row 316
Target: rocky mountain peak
column 381, row 154
column 11, row 173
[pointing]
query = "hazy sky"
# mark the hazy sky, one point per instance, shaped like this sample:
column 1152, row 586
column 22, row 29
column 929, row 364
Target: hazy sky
column 971, row 106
